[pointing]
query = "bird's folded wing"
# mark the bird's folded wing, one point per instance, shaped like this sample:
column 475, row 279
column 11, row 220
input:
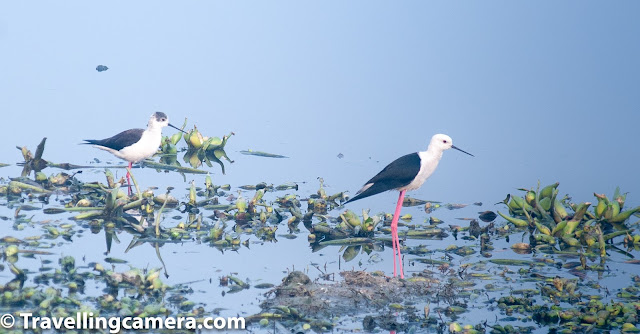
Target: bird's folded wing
column 119, row 141
column 397, row 174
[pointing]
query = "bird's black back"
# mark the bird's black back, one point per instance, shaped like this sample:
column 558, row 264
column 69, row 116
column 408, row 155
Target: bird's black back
column 119, row 141
column 397, row 174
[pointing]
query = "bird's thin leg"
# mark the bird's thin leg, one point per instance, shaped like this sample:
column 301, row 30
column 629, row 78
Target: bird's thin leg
column 394, row 235
column 129, row 179
column 393, row 244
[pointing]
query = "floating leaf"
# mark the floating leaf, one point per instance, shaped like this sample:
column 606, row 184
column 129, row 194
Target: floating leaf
column 510, row 262
column 262, row 154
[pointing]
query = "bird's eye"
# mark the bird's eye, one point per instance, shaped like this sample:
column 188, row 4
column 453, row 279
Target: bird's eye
column 444, row 141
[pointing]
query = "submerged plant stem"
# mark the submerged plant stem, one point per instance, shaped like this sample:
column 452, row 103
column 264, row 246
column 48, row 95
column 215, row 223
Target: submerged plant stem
column 166, row 197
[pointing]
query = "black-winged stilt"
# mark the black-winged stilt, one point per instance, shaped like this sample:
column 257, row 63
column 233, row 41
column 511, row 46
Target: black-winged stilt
column 135, row 145
column 406, row 173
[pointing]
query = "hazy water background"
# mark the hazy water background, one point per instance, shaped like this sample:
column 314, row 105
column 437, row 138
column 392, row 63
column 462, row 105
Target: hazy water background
column 544, row 91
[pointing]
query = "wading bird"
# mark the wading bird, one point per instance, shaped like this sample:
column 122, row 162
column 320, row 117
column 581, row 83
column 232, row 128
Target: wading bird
column 135, row 145
column 406, row 173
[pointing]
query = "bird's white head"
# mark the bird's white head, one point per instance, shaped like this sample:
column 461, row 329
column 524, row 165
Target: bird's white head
column 442, row 142
column 158, row 120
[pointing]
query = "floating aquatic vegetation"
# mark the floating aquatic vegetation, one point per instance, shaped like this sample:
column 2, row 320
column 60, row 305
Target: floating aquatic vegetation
column 31, row 162
column 61, row 292
column 547, row 218
column 200, row 149
column 541, row 276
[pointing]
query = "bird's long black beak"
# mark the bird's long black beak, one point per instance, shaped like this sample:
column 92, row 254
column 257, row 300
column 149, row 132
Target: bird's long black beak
column 177, row 128
column 452, row 146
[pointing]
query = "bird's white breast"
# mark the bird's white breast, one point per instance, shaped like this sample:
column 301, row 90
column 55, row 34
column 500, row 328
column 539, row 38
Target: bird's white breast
column 428, row 164
column 146, row 147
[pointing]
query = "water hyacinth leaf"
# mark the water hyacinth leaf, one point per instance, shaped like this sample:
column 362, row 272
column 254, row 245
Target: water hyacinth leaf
column 11, row 250
column 221, row 153
column 19, row 273
column 433, row 232
column 515, row 221
column 26, row 207
column 239, row 282
column 25, row 186
column 11, row 240
column 396, row 306
column 348, row 241
column 521, row 246
column 547, row 191
column 351, row 252
column 541, row 228
column 213, row 157
column 430, row 261
column 545, row 203
column 194, row 138
column 622, row 216
column 179, row 169
column 452, row 206
column 545, row 238
column 511, row 262
column 262, row 154
column 114, row 260
column 286, row 186
column 52, row 231
column 570, row 241
column 410, row 201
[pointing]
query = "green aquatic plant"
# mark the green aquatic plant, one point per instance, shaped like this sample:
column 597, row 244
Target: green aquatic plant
column 547, row 218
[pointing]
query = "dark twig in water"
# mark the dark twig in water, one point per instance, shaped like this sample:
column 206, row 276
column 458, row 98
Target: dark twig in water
column 157, row 247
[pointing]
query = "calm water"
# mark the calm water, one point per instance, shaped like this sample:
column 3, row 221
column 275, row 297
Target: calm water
column 534, row 91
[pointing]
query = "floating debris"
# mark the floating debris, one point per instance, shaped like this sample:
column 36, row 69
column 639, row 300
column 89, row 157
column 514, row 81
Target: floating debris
column 410, row 201
column 262, row 154
column 298, row 300
column 487, row 216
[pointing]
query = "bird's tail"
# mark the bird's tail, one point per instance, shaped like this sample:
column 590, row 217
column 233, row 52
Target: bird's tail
column 369, row 190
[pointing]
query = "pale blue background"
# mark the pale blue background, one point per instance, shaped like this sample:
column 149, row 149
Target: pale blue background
column 535, row 90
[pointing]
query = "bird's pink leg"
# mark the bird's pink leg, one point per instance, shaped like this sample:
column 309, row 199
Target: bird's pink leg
column 394, row 235
column 129, row 179
column 393, row 244
column 398, row 239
